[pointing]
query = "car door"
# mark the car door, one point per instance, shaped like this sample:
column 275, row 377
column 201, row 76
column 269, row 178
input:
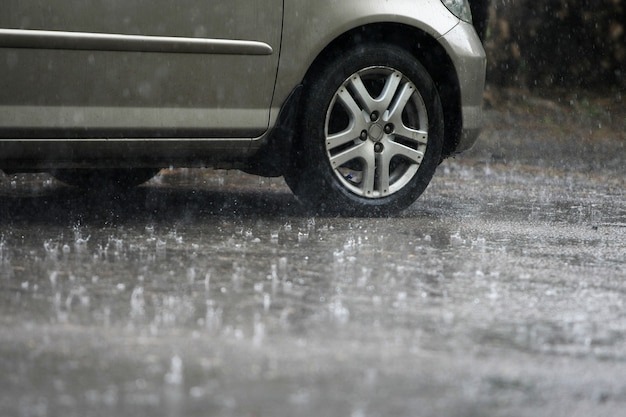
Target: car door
column 140, row 68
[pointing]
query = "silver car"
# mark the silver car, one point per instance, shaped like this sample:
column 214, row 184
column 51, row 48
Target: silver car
column 354, row 102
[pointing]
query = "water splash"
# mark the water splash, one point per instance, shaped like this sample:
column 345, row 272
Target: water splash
column 137, row 304
column 175, row 374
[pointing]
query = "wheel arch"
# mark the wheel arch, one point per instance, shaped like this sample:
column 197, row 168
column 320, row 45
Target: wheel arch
column 272, row 156
column 426, row 50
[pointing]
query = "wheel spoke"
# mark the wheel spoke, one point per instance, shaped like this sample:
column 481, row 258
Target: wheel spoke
column 343, row 137
column 390, row 89
column 382, row 169
column 361, row 94
column 385, row 98
column 350, row 104
column 413, row 155
column 396, row 108
column 359, row 151
column 369, row 174
column 356, row 122
column 414, row 135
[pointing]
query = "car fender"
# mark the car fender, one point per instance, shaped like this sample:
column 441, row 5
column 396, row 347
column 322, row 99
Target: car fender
column 332, row 18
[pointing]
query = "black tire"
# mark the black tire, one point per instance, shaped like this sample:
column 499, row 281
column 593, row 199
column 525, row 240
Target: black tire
column 339, row 163
column 105, row 179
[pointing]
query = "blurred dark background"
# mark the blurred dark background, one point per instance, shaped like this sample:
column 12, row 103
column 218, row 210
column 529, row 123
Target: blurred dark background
column 539, row 44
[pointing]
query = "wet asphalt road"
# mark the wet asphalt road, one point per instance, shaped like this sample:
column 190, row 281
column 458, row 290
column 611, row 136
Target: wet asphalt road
column 501, row 292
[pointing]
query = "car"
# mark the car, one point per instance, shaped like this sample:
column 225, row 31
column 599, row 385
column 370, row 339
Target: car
column 355, row 102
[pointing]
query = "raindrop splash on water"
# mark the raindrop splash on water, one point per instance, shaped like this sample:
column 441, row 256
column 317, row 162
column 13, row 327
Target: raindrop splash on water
column 51, row 248
column 267, row 302
column 53, row 278
column 80, row 242
column 175, row 374
column 207, row 281
column 259, row 330
column 338, row 311
column 191, row 275
column 137, row 304
column 2, row 245
column 213, row 317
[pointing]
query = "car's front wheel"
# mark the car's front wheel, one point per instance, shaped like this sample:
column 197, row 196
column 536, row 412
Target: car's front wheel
column 371, row 133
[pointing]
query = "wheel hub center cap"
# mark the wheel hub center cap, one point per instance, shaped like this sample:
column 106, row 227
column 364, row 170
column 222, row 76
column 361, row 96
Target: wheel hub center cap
column 375, row 132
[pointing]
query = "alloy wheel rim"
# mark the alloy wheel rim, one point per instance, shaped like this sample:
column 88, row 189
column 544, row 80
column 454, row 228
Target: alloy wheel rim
column 376, row 132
